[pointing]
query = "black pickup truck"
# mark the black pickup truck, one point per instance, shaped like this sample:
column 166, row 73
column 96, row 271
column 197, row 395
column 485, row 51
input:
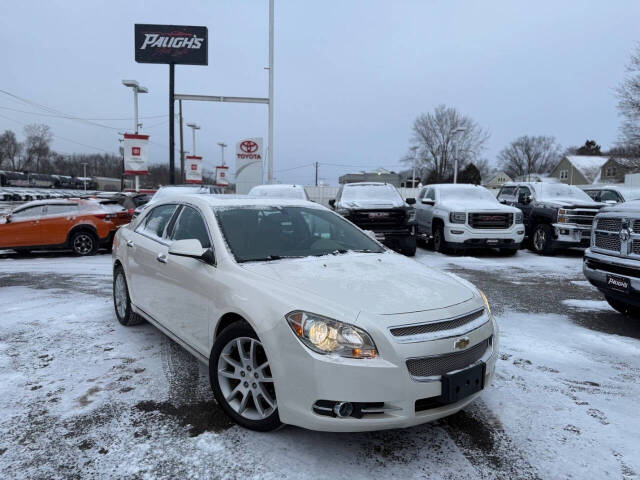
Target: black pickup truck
column 379, row 208
column 555, row 215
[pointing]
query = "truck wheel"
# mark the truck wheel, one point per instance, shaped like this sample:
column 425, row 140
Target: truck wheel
column 542, row 240
column 438, row 239
column 409, row 247
column 622, row 307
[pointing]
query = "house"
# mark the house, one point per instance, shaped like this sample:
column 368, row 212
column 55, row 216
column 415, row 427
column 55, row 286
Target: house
column 378, row 175
column 579, row 169
column 615, row 169
column 496, row 180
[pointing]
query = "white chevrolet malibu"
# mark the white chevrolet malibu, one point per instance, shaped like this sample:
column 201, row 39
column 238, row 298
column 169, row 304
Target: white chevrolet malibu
column 303, row 318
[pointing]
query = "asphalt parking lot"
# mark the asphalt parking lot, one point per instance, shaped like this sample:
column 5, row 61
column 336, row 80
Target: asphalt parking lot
column 85, row 397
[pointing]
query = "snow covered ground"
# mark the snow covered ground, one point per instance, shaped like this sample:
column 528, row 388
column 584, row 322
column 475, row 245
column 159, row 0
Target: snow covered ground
column 82, row 396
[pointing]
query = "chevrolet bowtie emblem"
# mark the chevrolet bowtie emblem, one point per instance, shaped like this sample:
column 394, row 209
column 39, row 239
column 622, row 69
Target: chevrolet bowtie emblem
column 461, row 343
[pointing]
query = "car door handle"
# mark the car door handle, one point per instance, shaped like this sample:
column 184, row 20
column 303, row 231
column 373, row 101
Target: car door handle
column 130, row 243
column 162, row 258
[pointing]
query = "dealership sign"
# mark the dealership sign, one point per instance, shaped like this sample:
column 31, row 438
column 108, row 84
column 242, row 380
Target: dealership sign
column 222, row 176
column 249, row 155
column 177, row 44
column 135, row 154
column 193, row 169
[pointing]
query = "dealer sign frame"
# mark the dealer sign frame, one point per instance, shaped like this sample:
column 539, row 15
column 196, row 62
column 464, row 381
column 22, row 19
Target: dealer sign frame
column 171, row 44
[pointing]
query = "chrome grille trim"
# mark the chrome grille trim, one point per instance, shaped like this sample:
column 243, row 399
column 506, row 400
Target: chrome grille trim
column 636, row 247
column 609, row 224
column 437, row 326
column 608, row 242
column 432, row 367
column 636, row 226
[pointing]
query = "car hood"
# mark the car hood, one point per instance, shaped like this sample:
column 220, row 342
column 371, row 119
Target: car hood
column 371, row 203
column 478, row 206
column 569, row 202
column 382, row 284
column 632, row 206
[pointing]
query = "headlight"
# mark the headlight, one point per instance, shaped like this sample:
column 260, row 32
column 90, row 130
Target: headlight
column 561, row 216
column 325, row 335
column 519, row 218
column 411, row 217
column 457, row 217
column 486, row 302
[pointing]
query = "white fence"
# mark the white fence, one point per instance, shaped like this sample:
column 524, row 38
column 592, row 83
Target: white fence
column 323, row 194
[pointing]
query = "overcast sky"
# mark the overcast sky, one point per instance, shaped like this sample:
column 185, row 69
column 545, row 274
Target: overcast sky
column 350, row 76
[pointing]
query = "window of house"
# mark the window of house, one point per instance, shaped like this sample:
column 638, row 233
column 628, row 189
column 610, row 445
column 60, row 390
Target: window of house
column 610, row 172
column 564, row 174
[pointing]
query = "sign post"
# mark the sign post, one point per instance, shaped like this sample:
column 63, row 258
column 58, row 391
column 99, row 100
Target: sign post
column 135, row 154
column 222, row 176
column 175, row 45
column 193, row 166
column 249, row 163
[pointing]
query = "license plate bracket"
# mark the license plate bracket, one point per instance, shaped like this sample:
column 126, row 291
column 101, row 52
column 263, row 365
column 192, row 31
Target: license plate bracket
column 492, row 241
column 620, row 284
column 459, row 385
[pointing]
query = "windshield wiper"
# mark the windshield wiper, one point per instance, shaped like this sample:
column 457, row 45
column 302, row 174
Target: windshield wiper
column 268, row 258
column 340, row 251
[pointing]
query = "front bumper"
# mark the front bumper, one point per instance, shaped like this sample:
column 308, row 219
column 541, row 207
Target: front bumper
column 571, row 235
column 597, row 266
column 310, row 377
column 467, row 237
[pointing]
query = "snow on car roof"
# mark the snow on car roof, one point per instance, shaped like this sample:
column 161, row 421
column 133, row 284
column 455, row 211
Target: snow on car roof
column 243, row 201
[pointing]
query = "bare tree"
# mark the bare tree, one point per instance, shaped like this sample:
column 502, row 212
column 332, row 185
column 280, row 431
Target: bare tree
column 527, row 155
column 442, row 137
column 37, row 144
column 10, row 150
column 629, row 102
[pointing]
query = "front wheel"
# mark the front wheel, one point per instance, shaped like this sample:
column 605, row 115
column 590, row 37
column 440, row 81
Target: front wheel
column 542, row 240
column 438, row 239
column 409, row 246
column 241, row 378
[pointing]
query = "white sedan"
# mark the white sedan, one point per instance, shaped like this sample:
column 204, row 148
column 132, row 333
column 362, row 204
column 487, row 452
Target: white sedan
column 303, row 318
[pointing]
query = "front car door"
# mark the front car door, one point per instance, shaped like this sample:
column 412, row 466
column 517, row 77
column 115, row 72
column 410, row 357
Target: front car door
column 187, row 300
column 524, row 201
column 427, row 210
column 23, row 228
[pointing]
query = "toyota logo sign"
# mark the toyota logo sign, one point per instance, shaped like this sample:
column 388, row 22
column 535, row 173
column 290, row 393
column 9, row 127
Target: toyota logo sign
column 249, row 146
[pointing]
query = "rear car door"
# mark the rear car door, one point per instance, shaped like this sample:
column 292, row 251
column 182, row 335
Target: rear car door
column 147, row 259
column 56, row 222
column 188, row 299
column 23, row 228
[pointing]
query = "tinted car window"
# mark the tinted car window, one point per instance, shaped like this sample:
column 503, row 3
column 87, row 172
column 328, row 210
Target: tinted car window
column 523, row 192
column 27, row 213
column 609, row 196
column 157, row 220
column 431, row 194
column 61, row 209
column 190, row 224
column 595, row 194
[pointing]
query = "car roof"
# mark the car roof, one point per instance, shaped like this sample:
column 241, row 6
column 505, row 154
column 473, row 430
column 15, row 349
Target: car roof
column 366, row 184
column 454, row 185
column 240, row 201
column 279, row 185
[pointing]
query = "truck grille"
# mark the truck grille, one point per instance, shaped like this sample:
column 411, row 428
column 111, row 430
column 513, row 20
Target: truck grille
column 437, row 326
column 378, row 219
column 610, row 224
column 490, row 220
column 449, row 362
column 636, row 226
column 580, row 216
column 607, row 242
column 636, row 247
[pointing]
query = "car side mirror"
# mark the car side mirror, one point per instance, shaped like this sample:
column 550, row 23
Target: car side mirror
column 191, row 248
column 5, row 219
column 428, row 201
column 524, row 199
column 410, row 201
column 332, row 202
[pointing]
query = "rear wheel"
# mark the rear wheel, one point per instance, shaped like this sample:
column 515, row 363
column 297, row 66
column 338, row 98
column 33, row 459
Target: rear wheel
column 122, row 301
column 542, row 240
column 84, row 243
column 241, row 378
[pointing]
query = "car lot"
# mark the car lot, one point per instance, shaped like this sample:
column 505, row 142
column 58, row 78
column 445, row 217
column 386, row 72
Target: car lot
column 83, row 396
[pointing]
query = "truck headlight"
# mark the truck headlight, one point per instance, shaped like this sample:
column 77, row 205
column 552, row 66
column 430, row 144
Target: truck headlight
column 519, row 218
column 411, row 216
column 486, row 302
column 325, row 335
column 458, row 217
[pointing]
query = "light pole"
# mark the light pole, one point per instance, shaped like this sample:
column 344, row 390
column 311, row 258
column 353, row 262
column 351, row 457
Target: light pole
column 413, row 175
column 84, row 179
column 137, row 88
column 193, row 128
column 455, row 159
column 222, row 147
column 270, row 132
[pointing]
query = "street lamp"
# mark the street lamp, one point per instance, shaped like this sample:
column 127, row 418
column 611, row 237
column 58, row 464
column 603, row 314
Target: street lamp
column 222, row 147
column 136, row 90
column 455, row 159
column 193, row 128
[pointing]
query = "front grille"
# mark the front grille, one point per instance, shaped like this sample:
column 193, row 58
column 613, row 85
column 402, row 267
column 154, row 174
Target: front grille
column 579, row 216
column 449, row 362
column 619, row 269
column 636, row 247
column 490, row 220
column 378, row 219
column 607, row 242
column 636, row 226
column 609, row 224
column 437, row 326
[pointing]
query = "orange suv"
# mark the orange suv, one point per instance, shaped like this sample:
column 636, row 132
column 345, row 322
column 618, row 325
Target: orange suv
column 81, row 225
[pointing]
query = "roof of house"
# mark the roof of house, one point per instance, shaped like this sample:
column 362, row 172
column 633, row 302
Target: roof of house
column 588, row 165
column 631, row 163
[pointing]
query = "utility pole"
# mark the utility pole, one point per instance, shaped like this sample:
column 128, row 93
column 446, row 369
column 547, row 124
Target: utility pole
column 193, row 128
column 222, row 147
column 455, row 159
column 84, row 178
column 270, row 133
column 172, row 126
column 316, row 174
column 181, row 144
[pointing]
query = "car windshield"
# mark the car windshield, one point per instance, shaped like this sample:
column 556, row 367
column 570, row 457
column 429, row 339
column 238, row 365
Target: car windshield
column 278, row 192
column 269, row 233
column 466, row 193
column 168, row 191
column 560, row 190
column 386, row 193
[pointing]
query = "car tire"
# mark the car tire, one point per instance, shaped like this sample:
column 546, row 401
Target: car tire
column 241, row 378
column 438, row 239
column 121, row 300
column 542, row 239
column 508, row 252
column 84, row 243
column 622, row 307
column 410, row 246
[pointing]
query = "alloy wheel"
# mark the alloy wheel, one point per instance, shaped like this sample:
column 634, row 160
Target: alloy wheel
column 83, row 244
column 245, row 379
column 539, row 239
column 121, row 295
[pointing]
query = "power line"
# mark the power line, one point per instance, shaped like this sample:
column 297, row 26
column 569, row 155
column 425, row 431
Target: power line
column 80, row 118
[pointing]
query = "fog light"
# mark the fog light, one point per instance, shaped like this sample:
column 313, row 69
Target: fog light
column 564, row 231
column 343, row 409
column 520, row 232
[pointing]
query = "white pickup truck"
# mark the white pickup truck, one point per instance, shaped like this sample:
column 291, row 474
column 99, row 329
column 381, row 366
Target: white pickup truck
column 462, row 216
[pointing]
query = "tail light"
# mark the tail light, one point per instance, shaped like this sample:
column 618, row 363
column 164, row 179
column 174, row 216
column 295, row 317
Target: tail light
column 105, row 216
column 131, row 210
